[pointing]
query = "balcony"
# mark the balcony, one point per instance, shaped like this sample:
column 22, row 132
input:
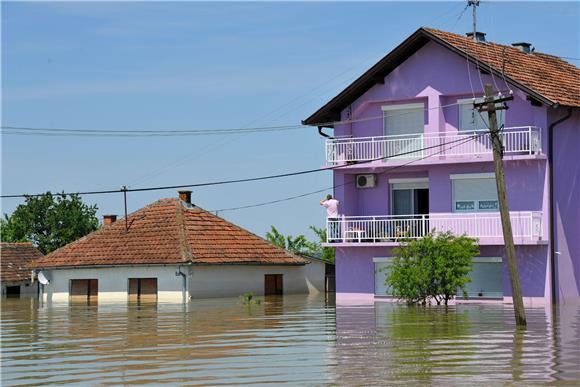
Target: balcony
column 525, row 141
column 390, row 230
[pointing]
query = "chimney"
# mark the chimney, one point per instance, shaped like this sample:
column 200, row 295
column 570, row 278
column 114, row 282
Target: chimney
column 109, row 219
column 479, row 36
column 524, row 47
column 185, row 196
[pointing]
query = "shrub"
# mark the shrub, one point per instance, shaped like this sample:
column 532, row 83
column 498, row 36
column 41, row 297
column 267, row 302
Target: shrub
column 433, row 267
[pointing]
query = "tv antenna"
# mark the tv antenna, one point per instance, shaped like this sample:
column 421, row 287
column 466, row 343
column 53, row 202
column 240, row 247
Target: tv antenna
column 474, row 4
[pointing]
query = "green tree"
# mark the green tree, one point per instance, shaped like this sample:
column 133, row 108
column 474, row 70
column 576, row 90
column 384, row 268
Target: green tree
column 433, row 267
column 302, row 246
column 296, row 245
column 325, row 253
column 49, row 221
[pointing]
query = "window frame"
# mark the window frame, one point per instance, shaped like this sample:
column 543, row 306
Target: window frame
column 501, row 118
column 405, row 106
column 476, row 202
column 375, row 261
column 480, row 260
column 406, row 184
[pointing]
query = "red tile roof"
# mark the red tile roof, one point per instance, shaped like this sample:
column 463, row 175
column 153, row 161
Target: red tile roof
column 169, row 232
column 15, row 259
column 547, row 78
column 553, row 78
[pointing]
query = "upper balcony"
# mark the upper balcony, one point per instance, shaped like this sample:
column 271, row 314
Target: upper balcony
column 446, row 147
column 390, row 230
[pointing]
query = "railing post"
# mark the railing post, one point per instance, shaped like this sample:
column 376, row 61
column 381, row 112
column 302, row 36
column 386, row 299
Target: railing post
column 530, row 140
column 423, row 225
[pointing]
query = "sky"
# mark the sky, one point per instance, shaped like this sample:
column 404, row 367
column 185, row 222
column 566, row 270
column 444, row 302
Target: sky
column 191, row 65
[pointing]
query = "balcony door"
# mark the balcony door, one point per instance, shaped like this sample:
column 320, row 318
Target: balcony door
column 410, row 198
column 404, row 126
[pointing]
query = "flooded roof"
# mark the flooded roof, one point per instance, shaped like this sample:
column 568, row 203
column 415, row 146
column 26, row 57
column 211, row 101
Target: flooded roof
column 169, row 231
column 15, row 259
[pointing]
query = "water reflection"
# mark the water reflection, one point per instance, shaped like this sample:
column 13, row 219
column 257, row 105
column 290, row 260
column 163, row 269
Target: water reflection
column 296, row 339
column 439, row 345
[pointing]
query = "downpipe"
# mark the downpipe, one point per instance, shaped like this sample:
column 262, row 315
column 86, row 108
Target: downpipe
column 183, row 275
column 551, row 193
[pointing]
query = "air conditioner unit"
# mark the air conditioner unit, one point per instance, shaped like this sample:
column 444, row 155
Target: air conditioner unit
column 366, row 181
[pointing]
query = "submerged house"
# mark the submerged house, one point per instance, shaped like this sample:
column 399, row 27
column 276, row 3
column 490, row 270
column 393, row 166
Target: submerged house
column 172, row 250
column 16, row 274
column 412, row 155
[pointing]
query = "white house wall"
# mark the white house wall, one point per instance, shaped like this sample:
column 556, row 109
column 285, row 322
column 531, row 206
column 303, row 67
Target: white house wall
column 228, row 281
column 203, row 281
column 113, row 282
column 26, row 288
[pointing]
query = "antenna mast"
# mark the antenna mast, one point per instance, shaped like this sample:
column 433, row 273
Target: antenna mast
column 474, row 4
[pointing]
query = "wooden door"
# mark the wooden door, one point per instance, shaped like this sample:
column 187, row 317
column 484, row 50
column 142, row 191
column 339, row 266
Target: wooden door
column 148, row 291
column 84, row 289
column 273, row 284
column 144, row 289
column 133, row 289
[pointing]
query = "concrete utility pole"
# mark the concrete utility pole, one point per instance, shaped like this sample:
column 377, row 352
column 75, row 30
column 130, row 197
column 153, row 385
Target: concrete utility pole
column 490, row 106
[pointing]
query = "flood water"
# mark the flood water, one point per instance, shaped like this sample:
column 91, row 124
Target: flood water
column 294, row 339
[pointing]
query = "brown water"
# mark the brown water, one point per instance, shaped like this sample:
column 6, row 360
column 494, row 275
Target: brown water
column 295, row 339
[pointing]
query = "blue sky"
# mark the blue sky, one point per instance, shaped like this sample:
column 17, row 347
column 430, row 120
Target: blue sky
column 187, row 65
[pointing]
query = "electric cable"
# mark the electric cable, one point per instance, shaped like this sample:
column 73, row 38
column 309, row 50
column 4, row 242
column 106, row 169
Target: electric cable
column 390, row 169
column 233, row 181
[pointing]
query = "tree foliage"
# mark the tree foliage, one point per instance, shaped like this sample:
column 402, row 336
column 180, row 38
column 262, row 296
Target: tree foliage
column 49, row 221
column 325, row 253
column 301, row 245
column 433, row 267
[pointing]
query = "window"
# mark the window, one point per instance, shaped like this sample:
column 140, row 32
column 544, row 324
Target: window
column 142, row 289
column 404, row 119
column 382, row 266
column 470, row 119
column 84, row 289
column 13, row 291
column 486, row 278
column 409, row 196
column 474, row 193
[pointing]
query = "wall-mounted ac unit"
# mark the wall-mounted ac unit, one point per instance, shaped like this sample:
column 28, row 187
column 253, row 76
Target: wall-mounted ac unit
column 366, row 181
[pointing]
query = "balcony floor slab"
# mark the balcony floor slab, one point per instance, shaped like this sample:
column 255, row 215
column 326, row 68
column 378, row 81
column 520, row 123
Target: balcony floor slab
column 482, row 242
column 435, row 160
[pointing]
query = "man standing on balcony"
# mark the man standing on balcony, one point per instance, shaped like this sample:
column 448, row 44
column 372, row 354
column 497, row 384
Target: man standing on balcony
column 332, row 217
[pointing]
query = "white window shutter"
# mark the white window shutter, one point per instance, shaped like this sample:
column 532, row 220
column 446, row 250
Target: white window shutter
column 404, row 121
column 467, row 191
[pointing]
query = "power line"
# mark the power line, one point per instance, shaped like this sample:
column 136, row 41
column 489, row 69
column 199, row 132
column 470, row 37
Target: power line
column 251, row 179
column 471, row 138
column 141, row 133
column 60, row 132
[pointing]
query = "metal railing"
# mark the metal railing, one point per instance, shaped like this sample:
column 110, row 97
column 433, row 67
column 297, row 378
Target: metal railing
column 516, row 140
column 393, row 228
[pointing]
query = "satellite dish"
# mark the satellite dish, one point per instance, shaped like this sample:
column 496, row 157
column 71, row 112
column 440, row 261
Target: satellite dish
column 42, row 278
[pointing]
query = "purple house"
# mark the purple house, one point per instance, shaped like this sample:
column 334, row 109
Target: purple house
column 411, row 155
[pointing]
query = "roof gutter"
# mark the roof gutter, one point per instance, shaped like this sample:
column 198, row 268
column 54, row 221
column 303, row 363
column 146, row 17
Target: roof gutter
column 320, row 128
column 551, row 194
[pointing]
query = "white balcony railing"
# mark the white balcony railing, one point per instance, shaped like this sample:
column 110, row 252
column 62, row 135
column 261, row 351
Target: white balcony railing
column 517, row 140
column 526, row 226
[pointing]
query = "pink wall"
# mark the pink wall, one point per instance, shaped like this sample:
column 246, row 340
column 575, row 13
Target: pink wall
column 437, row 77
column 567, row 205
column 421, row 78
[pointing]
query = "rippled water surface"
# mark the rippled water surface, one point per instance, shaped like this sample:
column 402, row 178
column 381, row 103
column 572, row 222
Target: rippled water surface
column 296, row 339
